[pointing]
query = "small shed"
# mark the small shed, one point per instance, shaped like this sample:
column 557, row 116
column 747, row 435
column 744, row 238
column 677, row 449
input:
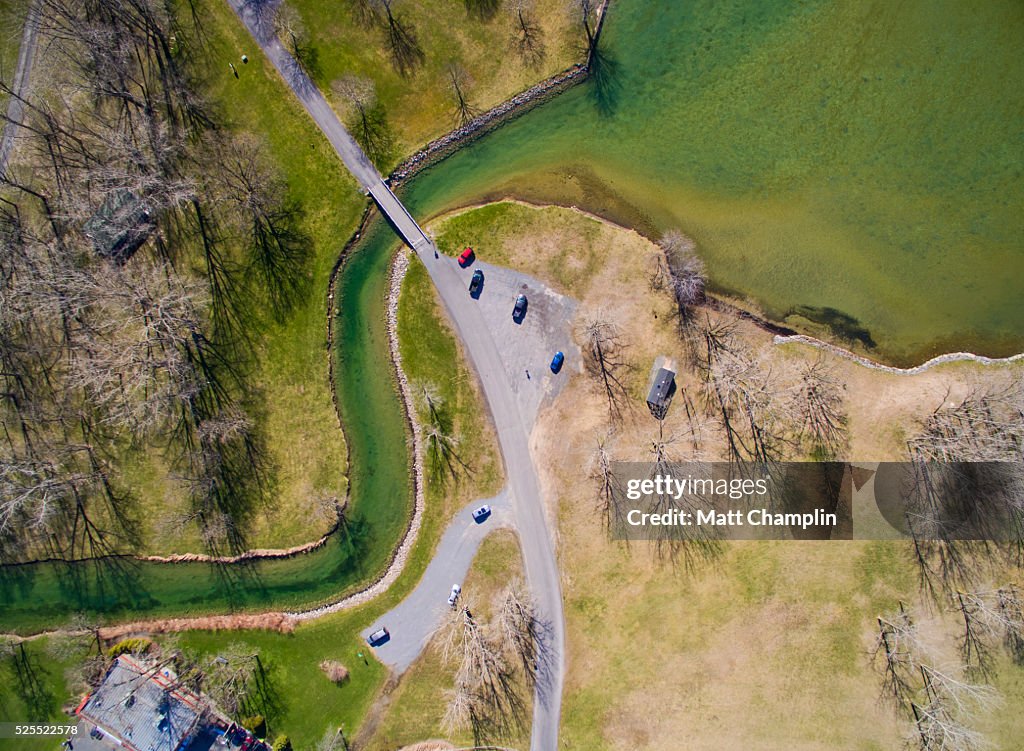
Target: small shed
column 662, row 387
column 142, row 707
column 120, row 226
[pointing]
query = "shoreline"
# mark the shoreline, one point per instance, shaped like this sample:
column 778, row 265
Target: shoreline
column 783, row 334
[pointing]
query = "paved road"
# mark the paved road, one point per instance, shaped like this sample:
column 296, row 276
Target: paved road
column 414, row 620
column 482, row 350
column 15, row 109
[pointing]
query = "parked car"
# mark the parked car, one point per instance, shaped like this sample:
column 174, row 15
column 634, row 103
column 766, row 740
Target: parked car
column 519, row 311
column 378, row 637
column 476, row 283
column 556, row 362
column 481, row 513
column 454, row 596
column 466, row 257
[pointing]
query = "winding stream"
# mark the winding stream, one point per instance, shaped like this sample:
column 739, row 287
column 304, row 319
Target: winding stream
column 860, row 166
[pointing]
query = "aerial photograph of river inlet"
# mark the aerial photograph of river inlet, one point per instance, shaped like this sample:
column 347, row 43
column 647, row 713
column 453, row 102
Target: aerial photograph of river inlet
column 511, row 375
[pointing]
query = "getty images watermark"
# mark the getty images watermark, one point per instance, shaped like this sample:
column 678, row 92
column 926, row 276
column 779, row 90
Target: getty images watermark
column 817, row 501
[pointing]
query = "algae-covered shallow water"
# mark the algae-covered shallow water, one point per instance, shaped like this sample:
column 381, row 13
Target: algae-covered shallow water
column 859, row 164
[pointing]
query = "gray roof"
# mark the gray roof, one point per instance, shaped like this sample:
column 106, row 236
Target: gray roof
column 143, row 707
column 663, row 387
column 119, row 227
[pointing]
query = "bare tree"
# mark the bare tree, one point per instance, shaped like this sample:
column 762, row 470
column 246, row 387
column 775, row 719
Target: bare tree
column 609, row 490
column 586, row 13
column 485, row 696
column 458, row 81
column 819, row 403
column 520, row 628
column 682, row 271
column 292, row 31
column 741, row 391
column 965, row 464
column 367, row 121
column 528, row 37
column 604, row 361
column 406, row 53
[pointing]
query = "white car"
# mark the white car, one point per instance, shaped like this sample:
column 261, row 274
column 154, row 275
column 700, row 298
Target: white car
column 481, row 513
column 454, row 596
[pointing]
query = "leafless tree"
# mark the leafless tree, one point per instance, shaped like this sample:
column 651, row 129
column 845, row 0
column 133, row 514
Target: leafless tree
column 965, row 463
column 585, row 12
column 520, row 628
column 367, row 121
column 528, row 37
column 899, row 647
column 277, row 248
column 292, row 31
column 819, row 403
column 609, row 490
column 740, row 390
column 485, row 697
column 482, row 9
column 438, row 433
column 403, row 45
column 603, row 356
column 990, row 617
column 682, row 271
column 458, row 81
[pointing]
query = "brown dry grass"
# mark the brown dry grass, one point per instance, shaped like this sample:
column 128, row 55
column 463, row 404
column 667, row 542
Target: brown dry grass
column 278, row 622
column 767, row 647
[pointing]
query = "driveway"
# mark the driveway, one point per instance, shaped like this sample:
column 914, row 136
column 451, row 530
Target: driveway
column 413, row 621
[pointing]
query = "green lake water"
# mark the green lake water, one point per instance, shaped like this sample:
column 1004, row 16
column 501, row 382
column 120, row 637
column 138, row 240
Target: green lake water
column 858, row 163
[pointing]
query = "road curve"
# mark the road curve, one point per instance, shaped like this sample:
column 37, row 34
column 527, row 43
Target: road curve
column 483, row 353
column 415, row 619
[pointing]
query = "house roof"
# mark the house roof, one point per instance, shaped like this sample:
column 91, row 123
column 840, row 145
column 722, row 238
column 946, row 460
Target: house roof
column 662, row 387
column 141, row 705
column 121, row 224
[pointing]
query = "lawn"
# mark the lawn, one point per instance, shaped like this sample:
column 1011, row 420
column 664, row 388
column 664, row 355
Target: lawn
column 37, row 683
column 421, row 106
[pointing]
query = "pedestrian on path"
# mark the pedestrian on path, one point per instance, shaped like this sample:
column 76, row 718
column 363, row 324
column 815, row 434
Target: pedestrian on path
column 527, row 375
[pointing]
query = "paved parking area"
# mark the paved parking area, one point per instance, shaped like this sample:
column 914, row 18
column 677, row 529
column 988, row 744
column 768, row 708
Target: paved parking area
column 527, row 346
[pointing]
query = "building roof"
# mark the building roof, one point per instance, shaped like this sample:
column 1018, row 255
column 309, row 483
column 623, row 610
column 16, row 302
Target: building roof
column 662, row 387
column 121, row 224
column 142, row 706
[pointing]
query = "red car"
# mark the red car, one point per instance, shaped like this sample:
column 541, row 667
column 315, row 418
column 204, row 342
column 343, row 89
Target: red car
column 466, row 258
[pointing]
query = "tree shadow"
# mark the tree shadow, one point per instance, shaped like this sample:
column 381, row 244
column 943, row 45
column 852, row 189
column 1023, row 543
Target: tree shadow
column 485, row 10
column 31, row 684
column 605, row 82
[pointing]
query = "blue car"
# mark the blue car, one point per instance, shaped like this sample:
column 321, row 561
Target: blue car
column 556, row 362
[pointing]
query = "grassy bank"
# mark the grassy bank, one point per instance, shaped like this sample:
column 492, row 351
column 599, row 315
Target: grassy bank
column 421, row 106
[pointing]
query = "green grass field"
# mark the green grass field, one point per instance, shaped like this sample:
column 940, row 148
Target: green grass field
column 421, row 107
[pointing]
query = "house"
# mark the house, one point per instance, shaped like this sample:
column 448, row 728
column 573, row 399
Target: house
column 141, row 707
column 120, row 226
column 663, row 387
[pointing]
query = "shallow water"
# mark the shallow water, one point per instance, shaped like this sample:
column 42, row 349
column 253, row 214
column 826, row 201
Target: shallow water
column 859, row 164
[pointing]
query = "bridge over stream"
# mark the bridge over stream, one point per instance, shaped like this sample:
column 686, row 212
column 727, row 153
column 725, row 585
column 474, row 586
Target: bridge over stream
column 483, row 351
